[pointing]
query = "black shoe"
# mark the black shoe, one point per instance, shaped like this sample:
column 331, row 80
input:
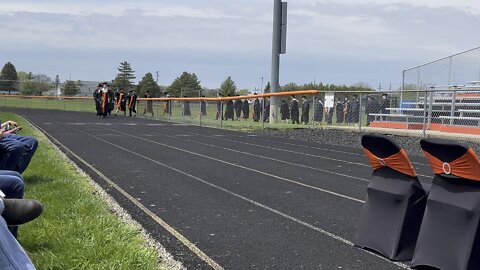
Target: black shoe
column 20, row 211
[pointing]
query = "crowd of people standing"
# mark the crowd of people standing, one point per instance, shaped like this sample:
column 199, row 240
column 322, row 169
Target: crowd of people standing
column 345, row 109
column 107, row 101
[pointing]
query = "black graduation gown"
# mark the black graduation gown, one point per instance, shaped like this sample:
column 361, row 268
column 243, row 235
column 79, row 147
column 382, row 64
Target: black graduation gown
column 132, row 102
column 186, row 108
column 354, row 111
column 266, row 112
column 284, row 111
column 305, row 112
column 384, row 104
column 246, row 109
column 256, row 110
column 238, row 108
column 372, row 107
column 229, row 111
column 98, row 101
column 318, row 112
column 203, row 108
column 294, row 112
column 339, row 112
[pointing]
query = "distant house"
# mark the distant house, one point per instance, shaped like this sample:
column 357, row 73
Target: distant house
column 86, row 89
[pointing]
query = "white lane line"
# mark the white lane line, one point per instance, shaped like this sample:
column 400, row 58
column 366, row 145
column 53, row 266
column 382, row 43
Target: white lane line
column 152, row 215
column 306, row 154
column 300, row 153
column 291, row 218
column 326, row 149
column 269, row 158
column 242, row 167
column 256, row 137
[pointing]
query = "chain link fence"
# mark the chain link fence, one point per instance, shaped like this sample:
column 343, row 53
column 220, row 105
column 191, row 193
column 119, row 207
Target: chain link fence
column 452, row 113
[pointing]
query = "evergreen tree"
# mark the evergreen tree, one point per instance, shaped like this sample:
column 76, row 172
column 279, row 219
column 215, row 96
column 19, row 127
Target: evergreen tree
column 70, row 88
column 125, row 77
column 185, row 85
column 28, row 87
column 148, row 84
column 8, row 78
column 228, row 87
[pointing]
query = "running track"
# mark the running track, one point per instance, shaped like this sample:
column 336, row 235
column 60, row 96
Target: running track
column 224, row 199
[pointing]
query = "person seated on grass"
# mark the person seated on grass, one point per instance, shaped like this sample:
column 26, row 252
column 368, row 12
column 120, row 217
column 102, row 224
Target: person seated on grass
column 17, row 150
column 12, row 185
column 15, row 212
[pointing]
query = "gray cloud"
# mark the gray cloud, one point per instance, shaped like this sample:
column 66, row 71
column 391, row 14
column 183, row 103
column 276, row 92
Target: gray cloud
column 342, row 41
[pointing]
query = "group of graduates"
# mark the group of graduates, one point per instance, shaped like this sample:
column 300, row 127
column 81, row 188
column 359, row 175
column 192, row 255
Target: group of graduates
column 106, row 101
column 261, row 110
column 235, row 109
column 347, row 111
column 292, row 112
column 240, row 109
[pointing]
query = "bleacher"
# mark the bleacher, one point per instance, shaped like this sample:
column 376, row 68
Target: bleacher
column 454, row 109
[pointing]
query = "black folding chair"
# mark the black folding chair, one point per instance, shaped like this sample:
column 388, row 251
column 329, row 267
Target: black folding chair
column 395, row 201
column 449, row 237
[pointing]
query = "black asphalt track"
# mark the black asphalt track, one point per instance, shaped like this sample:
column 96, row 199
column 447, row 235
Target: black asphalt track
column 245, row 201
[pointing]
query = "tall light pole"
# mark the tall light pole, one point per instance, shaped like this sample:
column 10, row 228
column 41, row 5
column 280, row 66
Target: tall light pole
column 261, row 85
column 279, row 45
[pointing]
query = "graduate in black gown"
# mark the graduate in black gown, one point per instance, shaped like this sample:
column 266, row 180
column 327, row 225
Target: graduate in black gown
column 256, row 110
column 186, row 108
column 132, row 102
column 294, row 111
column 305, row 110
column 97, row 98
column 318, row 111
column 105, row 100
column 339, row 111
column 383, row 104
column 371, row 107
column 246, row 109
column 238, row 108
column 219, row 108
column 120, row 98
column 354, row 110
column 266, row 111
column 229, row 110
column 347, row 111
column 284, row 111
column 203, row 107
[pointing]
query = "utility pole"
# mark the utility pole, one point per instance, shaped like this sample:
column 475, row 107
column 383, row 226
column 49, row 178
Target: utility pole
column 279, row 46
column 157, row 77
column 261, row 85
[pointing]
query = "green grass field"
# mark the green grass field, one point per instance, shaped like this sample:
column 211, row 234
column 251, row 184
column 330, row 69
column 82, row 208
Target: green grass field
column 76, row 229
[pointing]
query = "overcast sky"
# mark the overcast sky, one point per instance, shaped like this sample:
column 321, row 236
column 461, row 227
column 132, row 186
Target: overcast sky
column 340, row 41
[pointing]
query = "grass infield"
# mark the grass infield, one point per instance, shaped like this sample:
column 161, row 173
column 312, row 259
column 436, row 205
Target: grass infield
column 76, row 229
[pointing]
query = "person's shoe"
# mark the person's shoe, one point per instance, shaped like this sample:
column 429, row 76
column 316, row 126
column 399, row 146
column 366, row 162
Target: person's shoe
column 20, row 211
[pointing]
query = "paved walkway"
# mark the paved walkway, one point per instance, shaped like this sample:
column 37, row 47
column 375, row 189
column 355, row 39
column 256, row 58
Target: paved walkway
column 223, row 199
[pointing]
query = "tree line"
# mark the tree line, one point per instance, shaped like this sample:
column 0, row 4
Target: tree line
column 185, row 85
